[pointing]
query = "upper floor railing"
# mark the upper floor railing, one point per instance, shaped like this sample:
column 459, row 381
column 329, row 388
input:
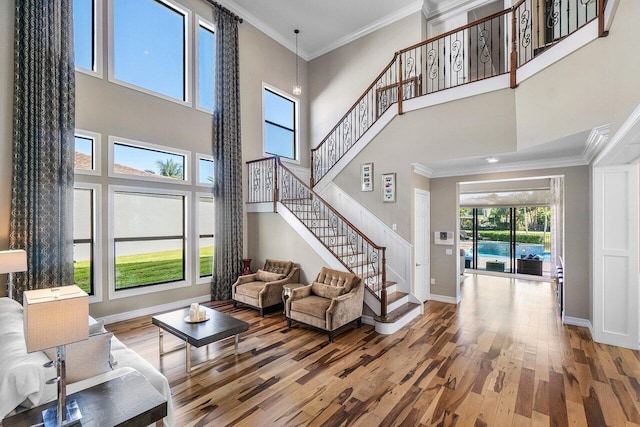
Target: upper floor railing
column 491, row 46
column 271, row 181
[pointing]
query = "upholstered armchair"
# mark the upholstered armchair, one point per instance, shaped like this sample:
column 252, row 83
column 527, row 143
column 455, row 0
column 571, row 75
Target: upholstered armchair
column 334, row 299
column 263, row 288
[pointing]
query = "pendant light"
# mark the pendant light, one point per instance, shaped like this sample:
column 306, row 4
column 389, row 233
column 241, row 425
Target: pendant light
column 297, row 89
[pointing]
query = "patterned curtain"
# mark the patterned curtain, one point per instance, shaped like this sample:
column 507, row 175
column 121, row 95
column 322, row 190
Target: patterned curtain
column 227, row 158
column 43, row 143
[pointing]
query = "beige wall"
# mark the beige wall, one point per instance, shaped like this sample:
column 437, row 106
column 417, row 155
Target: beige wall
column 428, row 135
column 272, row 237
column 444, row 208
column 339, row 77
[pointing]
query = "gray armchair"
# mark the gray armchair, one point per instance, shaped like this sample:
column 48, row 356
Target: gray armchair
column 264, row 288
column 334, row 299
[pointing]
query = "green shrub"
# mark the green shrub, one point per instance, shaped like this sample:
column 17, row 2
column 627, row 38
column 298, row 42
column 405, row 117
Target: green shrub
column 535, row 237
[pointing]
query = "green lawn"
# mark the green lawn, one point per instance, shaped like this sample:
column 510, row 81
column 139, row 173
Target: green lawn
column 144, row 269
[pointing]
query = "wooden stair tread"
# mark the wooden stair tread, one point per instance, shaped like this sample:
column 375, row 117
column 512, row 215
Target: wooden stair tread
column 395, row 296
column 397, row 313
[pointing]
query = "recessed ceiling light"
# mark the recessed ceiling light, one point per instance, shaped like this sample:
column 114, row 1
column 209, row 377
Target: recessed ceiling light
column 492, row 159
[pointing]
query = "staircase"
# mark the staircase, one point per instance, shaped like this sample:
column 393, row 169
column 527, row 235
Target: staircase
column 496, row 45
column 271, row 181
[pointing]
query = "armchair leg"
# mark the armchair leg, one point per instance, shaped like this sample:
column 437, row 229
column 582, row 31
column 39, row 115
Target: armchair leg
column 330, row 336
column 262, row 312
column 359, row 321
column 288, row 323
column 235, row 304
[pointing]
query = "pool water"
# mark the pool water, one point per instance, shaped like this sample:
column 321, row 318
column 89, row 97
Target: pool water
column 495, row 249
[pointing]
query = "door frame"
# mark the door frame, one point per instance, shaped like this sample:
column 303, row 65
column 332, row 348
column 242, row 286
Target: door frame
column 427, row 238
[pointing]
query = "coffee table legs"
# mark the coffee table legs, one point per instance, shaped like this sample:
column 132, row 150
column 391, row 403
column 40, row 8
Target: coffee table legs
column 161, row 349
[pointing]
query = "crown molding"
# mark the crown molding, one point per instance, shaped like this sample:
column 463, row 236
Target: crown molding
column 512, row 167
column 414, row 7
column 433, row 8
column 423, row 170
column 596, row 142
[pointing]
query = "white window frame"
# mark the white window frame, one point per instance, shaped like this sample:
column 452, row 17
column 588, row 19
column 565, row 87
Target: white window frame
column 146, row 145
column 196, row 264
column 97, row 152
column 187, row 54
column 196, row 179
column 296, row 107
column 97, row 238
column 200, row 22
column 144, row 290
column 97, row 43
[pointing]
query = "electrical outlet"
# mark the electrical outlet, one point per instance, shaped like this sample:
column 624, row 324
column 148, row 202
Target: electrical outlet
column 449, row 251
column 394, row 227
column 433, row 281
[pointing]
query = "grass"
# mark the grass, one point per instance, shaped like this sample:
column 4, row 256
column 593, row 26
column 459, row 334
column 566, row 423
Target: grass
column 146, row 269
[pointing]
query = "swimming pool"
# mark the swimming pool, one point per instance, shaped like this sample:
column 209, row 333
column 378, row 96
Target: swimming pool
column 493, row 249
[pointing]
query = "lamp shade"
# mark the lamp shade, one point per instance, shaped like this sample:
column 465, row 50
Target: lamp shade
column 55, row 316
column 13, row 261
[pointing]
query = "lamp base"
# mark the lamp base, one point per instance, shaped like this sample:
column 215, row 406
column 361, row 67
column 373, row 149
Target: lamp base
column 49, row 416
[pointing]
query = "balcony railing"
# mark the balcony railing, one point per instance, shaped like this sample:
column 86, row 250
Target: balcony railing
column 271, row 181
column 491, row 46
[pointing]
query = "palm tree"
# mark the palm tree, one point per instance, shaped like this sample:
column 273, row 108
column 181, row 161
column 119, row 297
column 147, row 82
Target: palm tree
column 169, row 168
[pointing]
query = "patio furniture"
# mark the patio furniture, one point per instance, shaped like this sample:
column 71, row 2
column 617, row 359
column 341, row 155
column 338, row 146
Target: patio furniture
column 263, row 288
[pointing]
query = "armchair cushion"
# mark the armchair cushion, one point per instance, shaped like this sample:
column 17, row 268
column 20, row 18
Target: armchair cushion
column 337, row 278
column 267, row 276
column 327, row 291
column 280, row 267
column 313, row 305
column 251, row 289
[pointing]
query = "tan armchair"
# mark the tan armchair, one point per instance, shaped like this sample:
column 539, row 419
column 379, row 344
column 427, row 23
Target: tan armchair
column 333, row 300
column 264, row 288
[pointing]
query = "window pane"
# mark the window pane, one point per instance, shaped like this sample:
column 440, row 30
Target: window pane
column 148, row 263
column 82, row 213
column 278, row 109
column 205, row 168
column 148, row 215
column 82, row 263
column 149, row 46
column 279, row 141
column 83, row 33
column 83, row 153
column 206, row 64
column 205, row 215
column 206, row 256
column 140, row 161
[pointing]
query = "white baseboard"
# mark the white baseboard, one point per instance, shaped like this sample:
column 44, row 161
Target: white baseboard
column 445, row 299
column 576, row 321
column 152, row 310
column 368, row 320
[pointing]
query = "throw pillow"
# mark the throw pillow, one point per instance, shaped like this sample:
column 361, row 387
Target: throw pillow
column 266, row 276
column 327, row 291
column 85, row 359
column 97, row 327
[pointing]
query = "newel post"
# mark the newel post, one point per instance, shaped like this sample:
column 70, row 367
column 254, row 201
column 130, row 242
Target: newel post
column 399, row 78
column 514, row 49
column 276, row 187
column 383, row 290
column 311, row 183
column 601, row 7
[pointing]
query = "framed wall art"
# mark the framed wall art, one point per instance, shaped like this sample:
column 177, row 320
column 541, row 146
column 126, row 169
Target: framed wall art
column 388, row 187
column 366, row 177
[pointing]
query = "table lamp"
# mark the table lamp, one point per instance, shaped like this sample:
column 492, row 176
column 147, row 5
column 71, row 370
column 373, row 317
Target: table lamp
column 12, row 261
column 55, row 317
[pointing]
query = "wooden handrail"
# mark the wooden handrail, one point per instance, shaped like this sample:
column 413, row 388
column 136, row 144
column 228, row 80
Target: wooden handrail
column 346, row 221
column 355, row 104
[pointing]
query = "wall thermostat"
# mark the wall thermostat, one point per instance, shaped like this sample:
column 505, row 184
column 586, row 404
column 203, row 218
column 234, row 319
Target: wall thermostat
column 443, row 237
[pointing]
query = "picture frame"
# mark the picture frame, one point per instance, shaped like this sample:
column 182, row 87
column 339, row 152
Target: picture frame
column 389, row 187
column 366, row 177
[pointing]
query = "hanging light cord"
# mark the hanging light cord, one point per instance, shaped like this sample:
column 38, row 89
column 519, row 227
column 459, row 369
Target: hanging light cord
column 296, row 31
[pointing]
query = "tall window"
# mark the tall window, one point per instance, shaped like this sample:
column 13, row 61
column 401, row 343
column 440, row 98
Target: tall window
column 149, row 237
column 84, row 238
column 84, row 41
column 205, row 170
column 141, row 160
column 205, row 235
column 206, row 64
column 280, row 121
column 150, row 46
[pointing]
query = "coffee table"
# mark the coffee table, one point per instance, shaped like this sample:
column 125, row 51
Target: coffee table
column 218, row 327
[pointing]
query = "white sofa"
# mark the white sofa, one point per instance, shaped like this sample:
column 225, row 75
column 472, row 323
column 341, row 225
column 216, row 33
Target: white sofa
column 23, row 377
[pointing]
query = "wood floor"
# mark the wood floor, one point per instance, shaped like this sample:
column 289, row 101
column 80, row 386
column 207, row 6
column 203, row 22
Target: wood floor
column 501, row 358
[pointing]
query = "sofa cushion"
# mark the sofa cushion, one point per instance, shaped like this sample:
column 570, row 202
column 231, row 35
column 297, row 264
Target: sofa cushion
column 85, row 359
column 337, row 278
column 327, row 291
column 266, row 276
column 313, row 306
column 251, row 289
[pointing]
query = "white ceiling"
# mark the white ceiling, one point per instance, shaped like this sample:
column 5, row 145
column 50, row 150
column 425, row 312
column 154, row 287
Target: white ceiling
column 324, row 24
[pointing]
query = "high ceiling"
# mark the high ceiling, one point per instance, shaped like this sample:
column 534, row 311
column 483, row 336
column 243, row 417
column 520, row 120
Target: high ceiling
column 324, row 24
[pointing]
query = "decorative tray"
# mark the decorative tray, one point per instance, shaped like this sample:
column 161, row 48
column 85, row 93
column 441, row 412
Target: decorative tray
column 188, row 320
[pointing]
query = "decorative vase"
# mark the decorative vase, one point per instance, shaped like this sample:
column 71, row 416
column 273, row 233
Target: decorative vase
column 246, row 267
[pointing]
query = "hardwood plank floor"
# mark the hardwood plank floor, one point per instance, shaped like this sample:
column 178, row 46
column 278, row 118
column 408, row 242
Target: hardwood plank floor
column 500, row 358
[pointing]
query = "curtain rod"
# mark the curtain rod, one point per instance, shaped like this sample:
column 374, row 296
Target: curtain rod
column 216, row 4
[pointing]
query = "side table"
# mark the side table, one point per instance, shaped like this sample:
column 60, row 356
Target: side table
column 286, row 293
column 128, row 400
